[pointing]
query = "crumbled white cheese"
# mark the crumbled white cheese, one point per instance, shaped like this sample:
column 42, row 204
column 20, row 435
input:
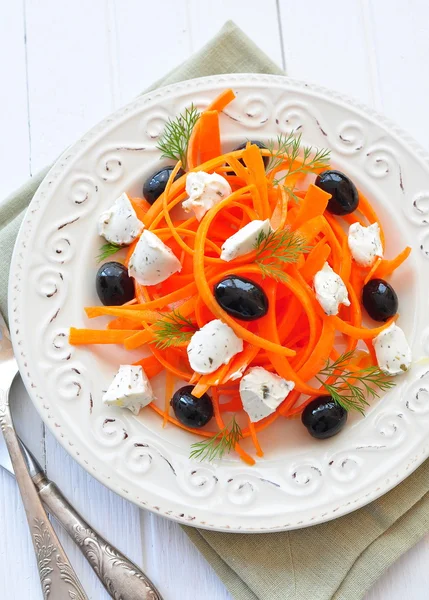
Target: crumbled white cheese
column 152, row 261
column 365, row 243
column 204, row 191
column 262, row 392
column 392, row 351
column 244, row 240
column 120, row 225
column 129, row 389
column 212, row 346
column 330, row 290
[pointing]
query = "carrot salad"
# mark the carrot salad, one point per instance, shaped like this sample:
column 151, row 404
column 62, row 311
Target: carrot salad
column 256, row 282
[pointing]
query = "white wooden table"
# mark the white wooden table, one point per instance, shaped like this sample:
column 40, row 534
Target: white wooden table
column 64, row 66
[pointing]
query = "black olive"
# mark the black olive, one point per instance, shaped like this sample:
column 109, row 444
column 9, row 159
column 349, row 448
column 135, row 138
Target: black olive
column 379, row 299
column 345, row 197
column 189, row 410
column 256, row 143
column 114, row 285
column 155, row 184
column 323, row 417
column 241, row 298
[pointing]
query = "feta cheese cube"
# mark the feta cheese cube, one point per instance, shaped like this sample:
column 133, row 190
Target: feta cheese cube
column 365, row 243
column 262, row 392
column 392, row 351
column 152, row 261
column 244, row 240
column 120, row 225
column 129, row 389
column 204, row 191
column 212, row 346
column 330, row 290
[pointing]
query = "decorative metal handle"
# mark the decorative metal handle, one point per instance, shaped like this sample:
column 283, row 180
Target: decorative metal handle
column 121, row 577
column 57, row 577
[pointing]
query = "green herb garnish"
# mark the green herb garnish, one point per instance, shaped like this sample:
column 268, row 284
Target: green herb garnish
column 172, row 330
column 107, row 250
column 351, row 388
column 289, row 147
column 276, row 249
column 223, row 442
column 175, row 138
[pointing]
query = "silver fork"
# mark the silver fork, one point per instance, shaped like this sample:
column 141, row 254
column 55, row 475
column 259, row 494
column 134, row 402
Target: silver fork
column 122, row 579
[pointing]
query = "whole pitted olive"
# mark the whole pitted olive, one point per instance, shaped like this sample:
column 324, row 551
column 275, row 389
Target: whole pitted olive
column 189, row 410
column 114, row 285
column 154, row 185
column 345, row 197
column 379, row 299
column 323, row 417
column 241, row 298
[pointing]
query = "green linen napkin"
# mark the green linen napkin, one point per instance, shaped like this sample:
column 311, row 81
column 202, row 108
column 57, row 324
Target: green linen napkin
column 338, row 560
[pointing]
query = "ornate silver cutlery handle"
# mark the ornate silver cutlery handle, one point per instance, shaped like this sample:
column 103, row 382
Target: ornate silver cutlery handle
column 121, row 577
column 57, row 577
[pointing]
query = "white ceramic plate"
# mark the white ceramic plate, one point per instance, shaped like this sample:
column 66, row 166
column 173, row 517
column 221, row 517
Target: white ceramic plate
column 300, row 481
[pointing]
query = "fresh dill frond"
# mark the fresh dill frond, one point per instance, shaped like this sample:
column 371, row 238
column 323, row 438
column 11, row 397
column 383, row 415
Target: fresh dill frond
column 284, row 146
column 177, row 132
column 107, row 250
column 290, row 192
column 283, row 244
column 223, row 442
column 272, row 271
column 288, row 147
column 276, row 249
column 352, row 388
column 172, row 330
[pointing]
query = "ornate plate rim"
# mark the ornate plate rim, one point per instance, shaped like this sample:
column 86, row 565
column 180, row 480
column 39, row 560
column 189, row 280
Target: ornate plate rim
column 407, row 465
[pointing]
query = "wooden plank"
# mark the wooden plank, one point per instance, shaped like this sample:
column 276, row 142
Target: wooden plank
column 207, row 17
column 175, row 565
column 150, row 40
column 69, row 82
column 326, row 44
column 14, row 147
column 407, row 578
column 401, row 45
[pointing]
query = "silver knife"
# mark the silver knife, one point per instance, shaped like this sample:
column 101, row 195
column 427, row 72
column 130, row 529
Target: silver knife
column 122, row 579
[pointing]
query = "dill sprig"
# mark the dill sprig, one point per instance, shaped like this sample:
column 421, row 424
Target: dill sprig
column 284, row 146
column 177, row 132
column 107, row 250
column 276, row 249
column 289, row 147
column 172, row 330
column 352, row 388
column 223, row 442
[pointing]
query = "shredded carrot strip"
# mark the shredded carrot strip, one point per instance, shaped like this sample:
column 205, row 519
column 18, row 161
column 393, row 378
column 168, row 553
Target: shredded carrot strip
column 373, row 269
column 386, row 267
column 255, row 440
column 313, row 205
column 98, row 336
column 315, row 260
column 209, row 135
column 168, row 393
column 360, row 333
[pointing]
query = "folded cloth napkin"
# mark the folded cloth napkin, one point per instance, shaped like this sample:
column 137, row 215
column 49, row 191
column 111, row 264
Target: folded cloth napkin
column 338, row 560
